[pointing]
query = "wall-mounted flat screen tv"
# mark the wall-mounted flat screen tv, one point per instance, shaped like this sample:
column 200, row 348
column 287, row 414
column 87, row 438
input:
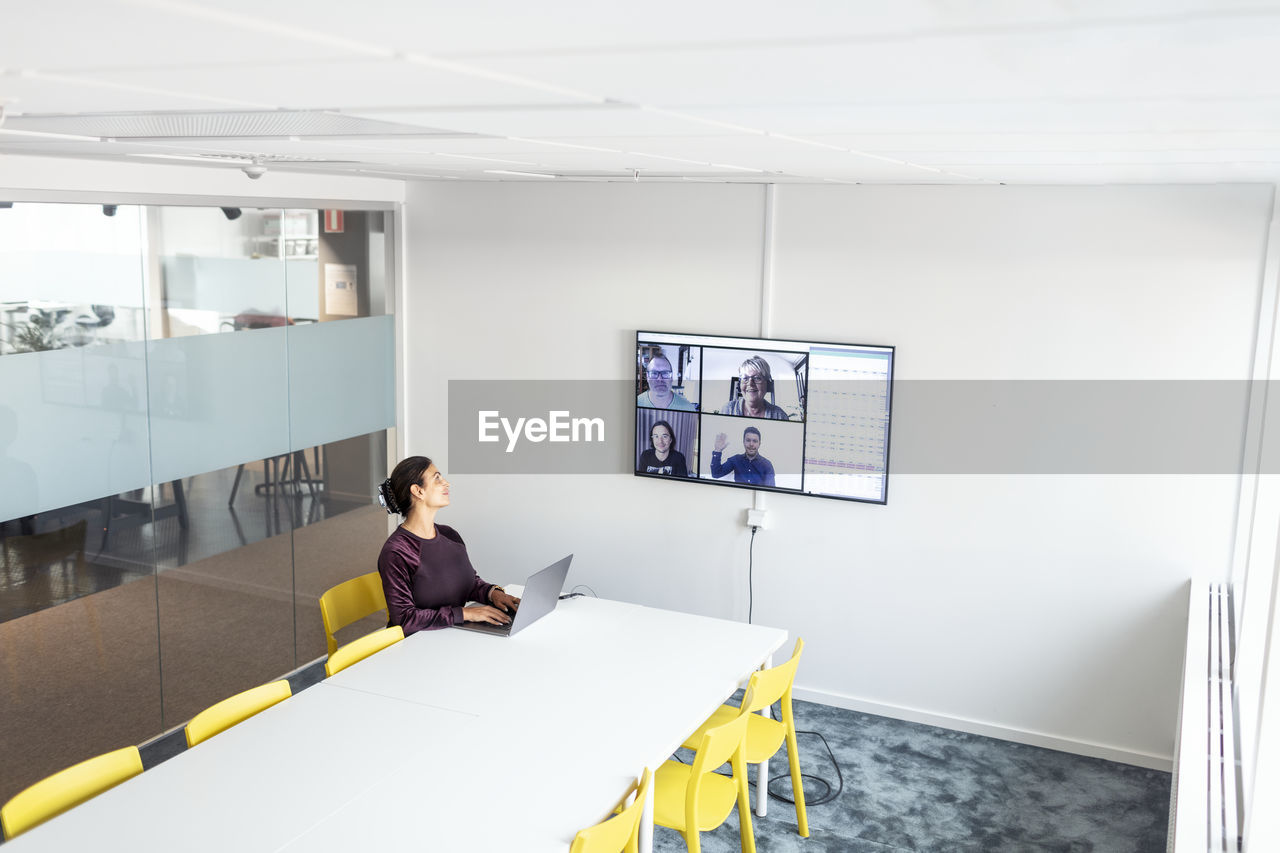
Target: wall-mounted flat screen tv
column 789, row 416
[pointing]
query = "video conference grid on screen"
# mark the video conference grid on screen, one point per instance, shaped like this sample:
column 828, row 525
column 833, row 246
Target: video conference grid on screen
column 805, row 417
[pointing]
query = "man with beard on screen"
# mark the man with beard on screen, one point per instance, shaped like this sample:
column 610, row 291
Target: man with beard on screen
column 749, row 466
column 660, row 394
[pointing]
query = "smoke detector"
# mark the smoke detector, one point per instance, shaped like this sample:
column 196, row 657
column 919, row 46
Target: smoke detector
column 255, row 169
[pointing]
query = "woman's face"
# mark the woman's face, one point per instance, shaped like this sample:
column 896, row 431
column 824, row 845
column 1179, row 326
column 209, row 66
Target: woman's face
column 661, row 440
column 434, row 491
column 752, row 384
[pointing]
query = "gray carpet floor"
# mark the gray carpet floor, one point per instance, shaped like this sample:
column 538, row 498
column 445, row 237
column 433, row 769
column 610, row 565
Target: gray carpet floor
column 911, row 787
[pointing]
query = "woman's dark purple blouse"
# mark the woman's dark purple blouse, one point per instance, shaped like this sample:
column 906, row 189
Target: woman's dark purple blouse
column 427, row 581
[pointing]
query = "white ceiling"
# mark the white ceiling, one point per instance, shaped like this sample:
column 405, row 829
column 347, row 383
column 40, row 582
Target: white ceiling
column 895, row 91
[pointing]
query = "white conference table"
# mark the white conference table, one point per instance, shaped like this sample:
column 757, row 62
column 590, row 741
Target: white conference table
column 461, row 741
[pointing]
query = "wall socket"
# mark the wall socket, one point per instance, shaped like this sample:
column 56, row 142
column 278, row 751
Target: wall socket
column 757, row 518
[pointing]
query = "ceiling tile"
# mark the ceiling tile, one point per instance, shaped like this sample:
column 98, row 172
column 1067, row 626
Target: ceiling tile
column 1014, row 90
column 556, row 120
column 487, row 27
column 979, row 115
column 80, row 34
column 351, row 84
column 39, row 94
column 1180, row 59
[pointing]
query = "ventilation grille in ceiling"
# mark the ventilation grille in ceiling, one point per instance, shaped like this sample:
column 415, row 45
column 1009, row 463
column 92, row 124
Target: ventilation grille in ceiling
column 261, row 158
column 209, row 125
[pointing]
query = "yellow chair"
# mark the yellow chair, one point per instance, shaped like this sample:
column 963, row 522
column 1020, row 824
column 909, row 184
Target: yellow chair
column 67, row 789
column 350, row 601
column 766, row 735
column 358, row 650
column 693, row 798
column 222, row 716
column 620, row 833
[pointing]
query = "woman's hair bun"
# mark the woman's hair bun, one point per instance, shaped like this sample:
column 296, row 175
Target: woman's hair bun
column 387, row 498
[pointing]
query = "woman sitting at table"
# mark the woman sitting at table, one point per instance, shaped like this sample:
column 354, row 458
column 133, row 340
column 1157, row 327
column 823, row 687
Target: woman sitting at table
column 426, row 575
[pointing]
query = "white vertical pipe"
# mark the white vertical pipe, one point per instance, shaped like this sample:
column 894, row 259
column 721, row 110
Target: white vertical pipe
column 760, row 499
column 1264, row 353
column 1262, row 824
column 398, row 299
column 1257, row 523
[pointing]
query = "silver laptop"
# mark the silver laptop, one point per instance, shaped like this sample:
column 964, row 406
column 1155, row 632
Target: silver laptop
column 541, row 592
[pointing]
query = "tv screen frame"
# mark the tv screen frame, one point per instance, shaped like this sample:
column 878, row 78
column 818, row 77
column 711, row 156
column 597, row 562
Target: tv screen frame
column 755, row 398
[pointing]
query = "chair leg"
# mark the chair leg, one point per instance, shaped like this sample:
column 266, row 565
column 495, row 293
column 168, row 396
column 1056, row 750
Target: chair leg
column 645, row 830
column 745, row 829
column 235, row 485
column 797, row 789
column 692, row 841
column 762, row 775
column 762, row 788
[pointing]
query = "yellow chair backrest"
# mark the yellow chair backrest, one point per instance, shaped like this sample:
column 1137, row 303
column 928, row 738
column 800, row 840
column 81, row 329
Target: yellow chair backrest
column 620, row 833
column 222, row 716
column 719, row 744
column 67, row 789
column 350, row 601
column 360, row 649
column 775, row 683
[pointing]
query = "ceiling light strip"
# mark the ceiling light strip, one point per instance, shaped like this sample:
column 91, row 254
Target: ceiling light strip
column 634, row 154
column 69, row 137
column 710, row 122
column 909, row 34
column 258, row 24
column 694, row 162
column 485, row 159
column 146, row 90
column 737, row 168
column 566, row 145
column 799, row 141
column 499, row 77
column 666, row 157
column 408, row 174
column 519, row 174
column 216, row 159
column 810, row 142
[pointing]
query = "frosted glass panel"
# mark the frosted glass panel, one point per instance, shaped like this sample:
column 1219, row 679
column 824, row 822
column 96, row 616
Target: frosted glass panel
column 71, row 253
column 73, row 278
column 73, row 426
column 217, row 401
column 226, row 285
column 160, row 547
column 300, row 282
column 341, row 379
column 234, row 286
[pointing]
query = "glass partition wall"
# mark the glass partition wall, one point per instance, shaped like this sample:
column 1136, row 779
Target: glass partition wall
column 194, row 405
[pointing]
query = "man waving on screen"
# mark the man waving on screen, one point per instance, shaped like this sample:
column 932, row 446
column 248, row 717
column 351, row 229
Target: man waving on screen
column 747, row 467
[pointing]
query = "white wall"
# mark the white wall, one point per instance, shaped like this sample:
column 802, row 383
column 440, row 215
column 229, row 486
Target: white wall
column 1043, row 608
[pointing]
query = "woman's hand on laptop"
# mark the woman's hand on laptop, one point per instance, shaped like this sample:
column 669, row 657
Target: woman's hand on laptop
column 484, row 613
column 502, row 600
